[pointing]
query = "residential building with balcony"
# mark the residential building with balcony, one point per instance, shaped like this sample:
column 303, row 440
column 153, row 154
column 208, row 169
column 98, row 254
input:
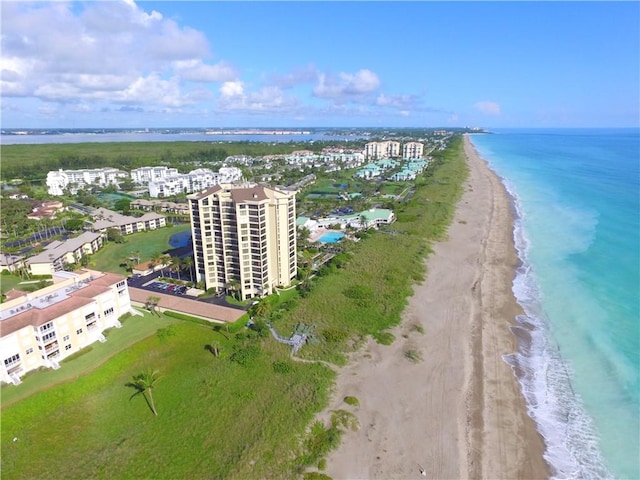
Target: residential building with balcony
column 40, row 328
column 194, row 181
column 73, row 180
column 387, row 149
column 58, row 254
column 412, row 150
column 105, row 219
column 244, row 238
column 144, row 175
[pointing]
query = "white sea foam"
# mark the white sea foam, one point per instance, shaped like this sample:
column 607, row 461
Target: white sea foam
column 572, row 444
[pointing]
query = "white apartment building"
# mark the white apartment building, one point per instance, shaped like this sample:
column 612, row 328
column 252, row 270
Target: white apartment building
column 144, row 175
column 41, row 328
column 244, row 238
column 195, row 180
column 388, row 149
column 412, row 150
column 74, row 180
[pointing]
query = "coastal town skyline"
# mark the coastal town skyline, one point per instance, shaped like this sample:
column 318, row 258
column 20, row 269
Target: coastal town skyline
column 308, row 64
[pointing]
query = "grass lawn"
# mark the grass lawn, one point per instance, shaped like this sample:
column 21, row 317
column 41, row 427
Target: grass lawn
column 145, row 243
column 133, row 330
column 7, row 282
column 217, row 418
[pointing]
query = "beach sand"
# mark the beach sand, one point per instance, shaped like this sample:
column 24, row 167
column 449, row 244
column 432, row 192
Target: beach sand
column 458, row 411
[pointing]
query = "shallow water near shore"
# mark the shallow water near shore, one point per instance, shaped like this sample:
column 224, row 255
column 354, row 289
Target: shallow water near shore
column 577, row 233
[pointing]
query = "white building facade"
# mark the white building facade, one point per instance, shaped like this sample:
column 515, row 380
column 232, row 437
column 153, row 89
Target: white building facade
column 195, row 180
column 244, row 238
column 73, row 180
column 41, row 328
column 144, row 175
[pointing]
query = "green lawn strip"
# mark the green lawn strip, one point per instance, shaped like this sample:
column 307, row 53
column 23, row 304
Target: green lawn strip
column 216, row 418
column 146, row 244
column 9, row 281
column 133, row 330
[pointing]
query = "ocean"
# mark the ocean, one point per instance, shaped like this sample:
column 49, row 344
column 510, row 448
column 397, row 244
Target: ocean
column 577, row 231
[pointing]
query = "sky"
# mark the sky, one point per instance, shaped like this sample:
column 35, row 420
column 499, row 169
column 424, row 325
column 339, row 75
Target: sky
column 117, row 64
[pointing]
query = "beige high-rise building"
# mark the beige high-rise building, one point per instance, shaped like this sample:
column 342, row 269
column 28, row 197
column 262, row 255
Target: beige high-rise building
column 412, row 150
column 244, row 238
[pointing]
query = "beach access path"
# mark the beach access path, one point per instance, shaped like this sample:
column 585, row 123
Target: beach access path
column 458, row 411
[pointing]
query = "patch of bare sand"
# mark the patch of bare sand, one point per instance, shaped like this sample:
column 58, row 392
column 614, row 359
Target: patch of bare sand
column 458, row 412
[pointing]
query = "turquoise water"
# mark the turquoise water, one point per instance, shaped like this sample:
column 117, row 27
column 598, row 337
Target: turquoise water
column 577, row 232
column 331, row 237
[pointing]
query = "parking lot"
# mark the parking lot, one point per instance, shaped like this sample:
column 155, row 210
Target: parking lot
column 168, row 288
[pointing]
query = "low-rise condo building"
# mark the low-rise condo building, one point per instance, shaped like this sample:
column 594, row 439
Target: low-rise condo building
column 244, row 238
column 105, row 219
column 41, row 328
column 58, row 254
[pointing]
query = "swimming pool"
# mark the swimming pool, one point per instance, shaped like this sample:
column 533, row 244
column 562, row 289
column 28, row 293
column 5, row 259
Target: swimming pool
column 331, row 237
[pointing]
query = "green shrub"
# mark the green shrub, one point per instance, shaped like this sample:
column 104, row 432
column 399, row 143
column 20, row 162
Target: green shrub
column 315, row 476
column 166, row 332
column 281, row 366
column 353, row 401
column 245, row 355
column 332, row 335
column 384, row 338
column 322, row 464
column 417, row 328
column 413, row 355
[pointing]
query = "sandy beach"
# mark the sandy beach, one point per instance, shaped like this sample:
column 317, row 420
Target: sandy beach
column 458, row 411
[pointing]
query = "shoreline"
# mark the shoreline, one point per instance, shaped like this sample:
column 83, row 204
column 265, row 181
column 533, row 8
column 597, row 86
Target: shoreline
column 458, row 411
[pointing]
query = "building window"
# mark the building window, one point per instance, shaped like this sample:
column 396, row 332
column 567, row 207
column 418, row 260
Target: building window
column 79, row 331
column 65, row 338
column 108, row 311
column 48, row 336
column 89, row 317
column 12, row 359
column 29, row 351
column 67, row 347
column 120, row 284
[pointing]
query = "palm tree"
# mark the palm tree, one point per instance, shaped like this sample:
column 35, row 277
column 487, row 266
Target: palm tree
column 262, row 308
column 151, row 303
column 188, row 263
column 156, row 259
column 145, row 382
column 174, row 266
column 233, row 286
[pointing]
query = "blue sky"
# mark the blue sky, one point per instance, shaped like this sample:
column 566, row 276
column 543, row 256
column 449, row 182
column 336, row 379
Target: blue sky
column 296, row 64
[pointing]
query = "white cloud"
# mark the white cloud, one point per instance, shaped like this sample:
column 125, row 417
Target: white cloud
column 108, row 52
column 488, row 108
column 266, row 100
column 346, row 86
column 232, row 89
column 197, row 71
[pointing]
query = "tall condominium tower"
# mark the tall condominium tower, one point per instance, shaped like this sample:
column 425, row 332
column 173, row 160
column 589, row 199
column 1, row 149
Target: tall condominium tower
column 244, row 238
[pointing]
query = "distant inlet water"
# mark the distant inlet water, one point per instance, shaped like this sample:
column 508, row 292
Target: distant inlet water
column 170, row 136
column 577, row 232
